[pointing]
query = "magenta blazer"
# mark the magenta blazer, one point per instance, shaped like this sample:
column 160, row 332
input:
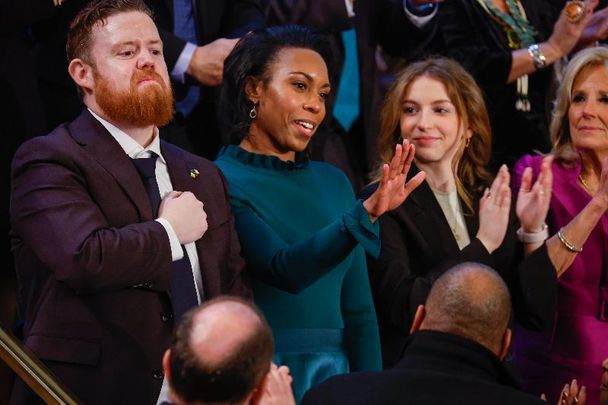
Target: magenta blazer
column 578, row 341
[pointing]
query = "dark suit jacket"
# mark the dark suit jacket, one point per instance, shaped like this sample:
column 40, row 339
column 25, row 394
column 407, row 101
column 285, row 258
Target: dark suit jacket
column 22, row 115
column 93, row 265
column 377, row 22
column 437, row 368
column 418, row 246
column 213, row 19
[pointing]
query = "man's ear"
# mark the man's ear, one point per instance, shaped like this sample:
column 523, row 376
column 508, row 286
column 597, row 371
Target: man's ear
column 253, row 89
column 504, row 345
column 418, row 318
column 256, row 396
column 81, row 73
column 166, row 364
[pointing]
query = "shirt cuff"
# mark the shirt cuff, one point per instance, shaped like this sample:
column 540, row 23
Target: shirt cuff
column 350, row 12
column 417, row 20
column 176, row 248
column 179, row 70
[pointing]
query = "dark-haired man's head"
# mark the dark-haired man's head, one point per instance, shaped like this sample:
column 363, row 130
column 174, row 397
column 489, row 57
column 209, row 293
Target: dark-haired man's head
column 470, row 300
column 220, row 353
column 116, row 60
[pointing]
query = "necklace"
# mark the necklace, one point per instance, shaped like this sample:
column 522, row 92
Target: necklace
column 584, row 184
column 520, row 32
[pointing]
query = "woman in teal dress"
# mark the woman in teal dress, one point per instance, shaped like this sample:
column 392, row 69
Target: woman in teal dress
column 302, row 232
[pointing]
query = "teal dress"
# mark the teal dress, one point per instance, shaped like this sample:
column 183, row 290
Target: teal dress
column 304, row 238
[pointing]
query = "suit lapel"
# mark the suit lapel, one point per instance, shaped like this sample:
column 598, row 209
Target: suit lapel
column 566, row 189
column 428, row 219
column 183, row 171
column 431, row 222
column 471, row 219
column 103, row 148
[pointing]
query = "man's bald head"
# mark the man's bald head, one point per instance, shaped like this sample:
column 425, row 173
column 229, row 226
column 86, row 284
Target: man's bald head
column 470, row 300
column 220, row 353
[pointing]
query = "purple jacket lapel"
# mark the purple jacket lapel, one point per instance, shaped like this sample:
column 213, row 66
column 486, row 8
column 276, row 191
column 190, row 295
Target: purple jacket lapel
column 103, row 148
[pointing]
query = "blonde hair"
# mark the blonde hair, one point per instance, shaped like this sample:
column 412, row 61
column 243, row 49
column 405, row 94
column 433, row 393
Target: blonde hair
column 469, row 165
column 564, row 151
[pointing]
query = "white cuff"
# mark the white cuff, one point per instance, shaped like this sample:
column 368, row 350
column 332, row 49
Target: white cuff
column 535, row 237
column 350, row 11
column 176, row 248
column 179, row 70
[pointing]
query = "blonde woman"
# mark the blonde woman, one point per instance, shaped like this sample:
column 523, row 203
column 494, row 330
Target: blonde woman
column 577, row 343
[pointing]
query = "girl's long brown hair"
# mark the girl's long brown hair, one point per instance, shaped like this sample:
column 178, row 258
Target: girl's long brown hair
column 471, row 160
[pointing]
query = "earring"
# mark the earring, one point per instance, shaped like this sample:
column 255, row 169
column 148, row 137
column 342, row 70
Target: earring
column 467, row 142
column 253, row 113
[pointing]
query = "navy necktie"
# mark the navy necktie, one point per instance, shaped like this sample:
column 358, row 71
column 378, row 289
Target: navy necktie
column 183, row 291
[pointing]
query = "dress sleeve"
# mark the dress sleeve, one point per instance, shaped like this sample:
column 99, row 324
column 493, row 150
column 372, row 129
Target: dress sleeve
column 361, row 326
column 534, row 291
column 293, row 267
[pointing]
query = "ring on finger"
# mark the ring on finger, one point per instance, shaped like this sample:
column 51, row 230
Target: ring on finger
column 575, row 11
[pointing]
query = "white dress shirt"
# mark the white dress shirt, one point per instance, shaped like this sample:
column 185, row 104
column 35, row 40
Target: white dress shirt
column 135, row 151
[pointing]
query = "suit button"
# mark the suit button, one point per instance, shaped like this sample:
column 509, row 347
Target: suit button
column 166, row 317
column 157, row 374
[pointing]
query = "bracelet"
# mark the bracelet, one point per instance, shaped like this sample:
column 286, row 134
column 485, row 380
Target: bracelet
column 537, row 56
column 533, row 237
column 567, row 243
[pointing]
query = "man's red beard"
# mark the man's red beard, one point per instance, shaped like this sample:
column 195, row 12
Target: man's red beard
column 152, row 105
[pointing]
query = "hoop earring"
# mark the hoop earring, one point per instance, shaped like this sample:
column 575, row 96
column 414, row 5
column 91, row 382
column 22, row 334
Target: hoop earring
column 253, row 113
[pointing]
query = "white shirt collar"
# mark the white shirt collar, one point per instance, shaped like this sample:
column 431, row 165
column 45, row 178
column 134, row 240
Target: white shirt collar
column 128, row 144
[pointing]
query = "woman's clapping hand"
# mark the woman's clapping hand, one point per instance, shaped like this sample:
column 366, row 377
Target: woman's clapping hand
column 533, row 199
column 494, row 208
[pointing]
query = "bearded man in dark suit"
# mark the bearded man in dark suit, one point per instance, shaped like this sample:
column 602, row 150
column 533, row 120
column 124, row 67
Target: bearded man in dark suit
column 104, row 265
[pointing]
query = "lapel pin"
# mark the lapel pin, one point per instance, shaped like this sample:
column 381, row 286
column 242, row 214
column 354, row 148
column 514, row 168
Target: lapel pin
column 194, row 173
